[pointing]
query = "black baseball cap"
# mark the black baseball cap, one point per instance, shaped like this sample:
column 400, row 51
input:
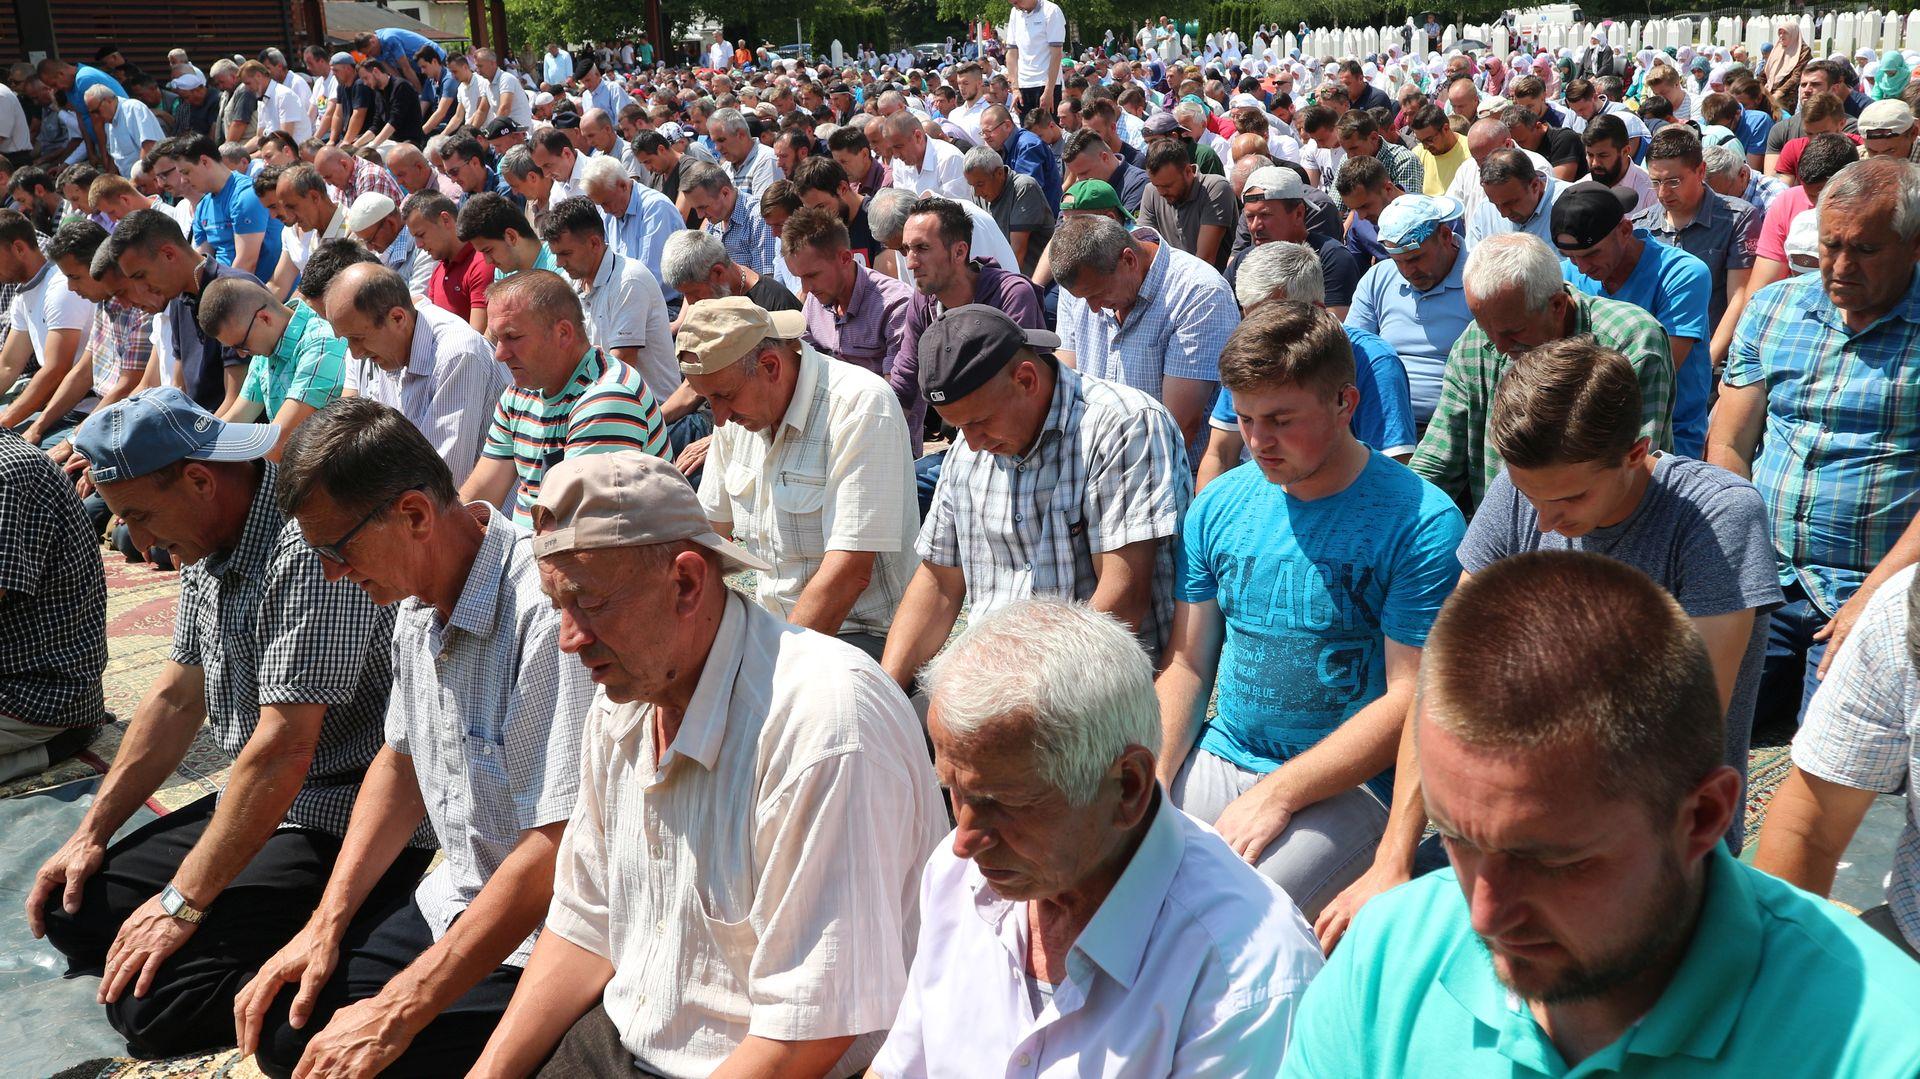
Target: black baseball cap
column 566, row 120
column 1587, row 213
column 969, row 345
column 501, row 126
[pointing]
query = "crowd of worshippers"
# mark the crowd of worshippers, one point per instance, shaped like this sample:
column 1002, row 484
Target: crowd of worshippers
column 1373, row 538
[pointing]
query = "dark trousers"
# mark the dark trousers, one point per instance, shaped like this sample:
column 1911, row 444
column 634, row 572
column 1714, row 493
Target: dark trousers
column 1030, row 99
column 189, row 1008
column 1791, row 672
column 592, row 1050
column 380, row 943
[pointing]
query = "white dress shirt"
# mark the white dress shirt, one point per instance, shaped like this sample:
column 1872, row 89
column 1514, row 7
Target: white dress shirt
column 836, row 474
column 1193, row 965
column 280, row 106
column 761, row 878
column 448, row 389
column 941, row 170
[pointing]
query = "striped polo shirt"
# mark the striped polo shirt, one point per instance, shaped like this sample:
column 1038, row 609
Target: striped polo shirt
column 604, row 407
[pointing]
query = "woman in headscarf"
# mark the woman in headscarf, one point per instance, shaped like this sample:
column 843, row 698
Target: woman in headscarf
column 1780, row 77
column 1543, row 70
column 1893, row 78
column 1496, row 84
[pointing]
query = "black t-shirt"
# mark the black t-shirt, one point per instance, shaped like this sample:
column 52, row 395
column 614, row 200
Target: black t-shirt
column 1563, row 147
column 1373, row 98
column 398, row 105
column 1338, row 268
column 860, row 234
column 771, row 295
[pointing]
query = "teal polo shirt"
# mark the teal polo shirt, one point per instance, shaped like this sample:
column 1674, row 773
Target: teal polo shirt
column 1775, row 982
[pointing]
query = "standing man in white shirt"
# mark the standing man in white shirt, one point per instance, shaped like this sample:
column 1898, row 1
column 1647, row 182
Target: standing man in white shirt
column 685, row 939
column 1036, row 38
column 1076, row 923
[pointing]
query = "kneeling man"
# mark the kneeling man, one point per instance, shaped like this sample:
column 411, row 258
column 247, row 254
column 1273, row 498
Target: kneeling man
column 482, row 741
column 735, row 891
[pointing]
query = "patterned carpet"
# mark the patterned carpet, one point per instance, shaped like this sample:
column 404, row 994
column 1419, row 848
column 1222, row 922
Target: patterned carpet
column 140, row 609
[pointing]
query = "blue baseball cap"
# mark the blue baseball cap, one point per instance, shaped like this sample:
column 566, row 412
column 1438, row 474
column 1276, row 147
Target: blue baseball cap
column 154, row 428
column 1408, row 220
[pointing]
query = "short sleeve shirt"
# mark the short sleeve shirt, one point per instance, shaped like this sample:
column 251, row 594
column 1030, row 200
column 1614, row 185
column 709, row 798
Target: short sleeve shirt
column 308, row 366
column 461, row 285
column 53, row 595
column 235, row 210
column 1036, row 34
column 1310, row 591
column 603, row 408
column 1209, row 201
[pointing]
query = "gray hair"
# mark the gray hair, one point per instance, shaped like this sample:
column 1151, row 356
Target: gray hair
column 269, row 57
column 1722, row 161
column 1866, row 180
column 1514, row 262
column 1283, row 271
column 982, row 158
column 690, row 255
column 234, row 155
column 732, row 121
column 223, row 66
column 1069, row 680
column 600, row 172
column 518, row 163
column 703, row 176
column 1088, row 242
column 887, row 213
column 305, row 180
column 97, row 93
column 1187, row 112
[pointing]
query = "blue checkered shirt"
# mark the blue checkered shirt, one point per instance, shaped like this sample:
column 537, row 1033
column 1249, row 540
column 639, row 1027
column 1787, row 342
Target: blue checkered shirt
column 641, row 233
column 1107, row 470
column 749, row 240
column 1839, row 463
column 1182, row 319
column 491, row 714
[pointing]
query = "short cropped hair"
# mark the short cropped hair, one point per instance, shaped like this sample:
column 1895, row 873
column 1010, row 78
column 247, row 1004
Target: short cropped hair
column 546, row 292
column 489, row 216
column 364, row 455
column 1570, row 401
column 814, row 227
column 1288, row 343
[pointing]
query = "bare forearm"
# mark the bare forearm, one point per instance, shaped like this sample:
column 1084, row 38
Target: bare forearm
column 265, row 779
column 1182, row 691
column 385, row 814
column 156, row 742
column 765, row 1058
column 73, row 389
column 41, row 389
column 1800, row 844
column 926, row 615
column 511, row 905
column 836, row 586
column 562, row 982
column 1355, row 752
column 1407, row 815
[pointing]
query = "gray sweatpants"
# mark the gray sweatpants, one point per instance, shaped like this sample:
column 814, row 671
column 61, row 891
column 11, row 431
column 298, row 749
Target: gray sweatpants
column 1325, row 847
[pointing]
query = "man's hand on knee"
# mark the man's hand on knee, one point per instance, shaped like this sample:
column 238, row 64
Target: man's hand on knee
column 147, row 939
column 308, row 959
column 79, row 858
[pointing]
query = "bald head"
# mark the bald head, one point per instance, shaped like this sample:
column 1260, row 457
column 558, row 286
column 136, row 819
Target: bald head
column 1486, row 136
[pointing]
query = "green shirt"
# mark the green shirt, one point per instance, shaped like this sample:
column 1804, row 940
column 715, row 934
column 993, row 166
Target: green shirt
column 309, row 365
column 1457, row 455
column 542, row 261
column 1775, row 982
column 1205, row 160
column 605, row 407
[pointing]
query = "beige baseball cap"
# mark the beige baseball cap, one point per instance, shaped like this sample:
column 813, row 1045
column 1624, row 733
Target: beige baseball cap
column 716, row 333
column 623, row 499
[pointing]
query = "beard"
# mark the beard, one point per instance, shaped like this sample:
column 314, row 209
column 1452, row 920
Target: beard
column 1611, row 178
column 1655, row 937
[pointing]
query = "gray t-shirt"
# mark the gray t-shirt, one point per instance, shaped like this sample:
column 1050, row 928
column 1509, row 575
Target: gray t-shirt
column 1022, row 207
column 238, row 108
column 1700, row 532
column 1209, row 202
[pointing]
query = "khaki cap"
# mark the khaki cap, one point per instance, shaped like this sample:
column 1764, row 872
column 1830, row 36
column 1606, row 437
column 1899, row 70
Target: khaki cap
column 718, row 332
column 623, row 499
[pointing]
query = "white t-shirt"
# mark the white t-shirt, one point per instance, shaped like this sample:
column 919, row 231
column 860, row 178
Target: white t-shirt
column 1035, row 33
column 520, row 105
column 302, row 92
column 474, row 91
column 280, row 106
column 49, row 305
column 942, row 170
column 15, row 135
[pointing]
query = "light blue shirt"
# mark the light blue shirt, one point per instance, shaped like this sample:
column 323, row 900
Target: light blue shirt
column 641, row 233
column 556, row 68
column 748, row 239
column 1676, row 288
column 133, row 125
column 1383, row 419
column 1191, row 966
column 1487, row 221
column 1421, row 326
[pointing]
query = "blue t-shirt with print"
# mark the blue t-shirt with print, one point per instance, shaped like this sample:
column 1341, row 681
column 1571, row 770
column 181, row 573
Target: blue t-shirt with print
column 1309, row 592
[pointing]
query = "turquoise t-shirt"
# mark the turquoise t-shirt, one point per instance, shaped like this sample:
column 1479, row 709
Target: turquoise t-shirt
column 1776, row 982
column 1308, row 591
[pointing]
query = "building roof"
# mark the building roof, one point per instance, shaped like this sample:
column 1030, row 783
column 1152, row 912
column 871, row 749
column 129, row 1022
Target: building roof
column 346, row 19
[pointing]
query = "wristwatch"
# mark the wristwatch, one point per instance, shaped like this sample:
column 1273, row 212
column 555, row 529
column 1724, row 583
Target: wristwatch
column 176, row 906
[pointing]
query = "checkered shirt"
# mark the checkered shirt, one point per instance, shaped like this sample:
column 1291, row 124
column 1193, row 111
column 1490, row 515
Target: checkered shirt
column 1863, row 729
column 836, row 474
column 53, row 595
column 121, row 341
column 267, row 627
column 491, row 713
column 1182, row 319
column 1106, row 471
column 1839, row 463
column 1457, row 455
column 1403, row 167
column 750, row 242
column 366, row 177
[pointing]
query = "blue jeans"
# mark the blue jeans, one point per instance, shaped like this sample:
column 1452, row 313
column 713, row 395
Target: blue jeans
column 1791, row 673
column 926, row 475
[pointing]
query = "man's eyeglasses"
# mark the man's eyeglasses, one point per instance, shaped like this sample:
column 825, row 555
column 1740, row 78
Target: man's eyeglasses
column 1671, row 183
column 334, row 552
